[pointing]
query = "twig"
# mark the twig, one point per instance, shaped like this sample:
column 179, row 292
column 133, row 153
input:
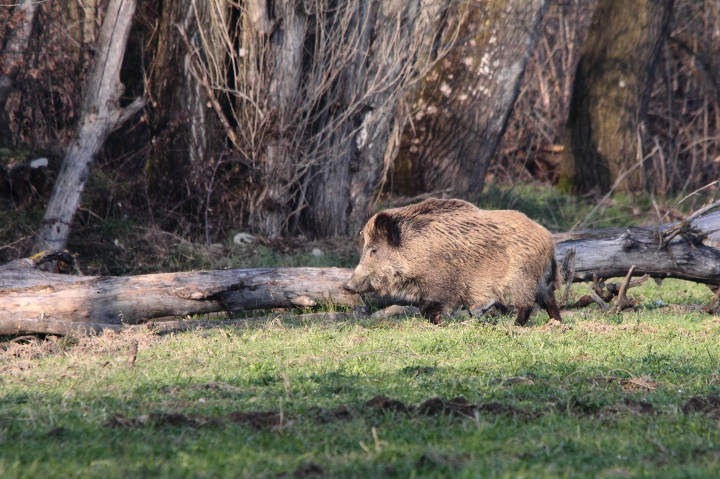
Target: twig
column 685, row 229
column 596, row 297
column 622, row 301
column 10, row 245
column 132, row 355
column 682, row 200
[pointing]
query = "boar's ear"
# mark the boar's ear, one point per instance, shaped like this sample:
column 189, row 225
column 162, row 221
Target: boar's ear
column 387, row 228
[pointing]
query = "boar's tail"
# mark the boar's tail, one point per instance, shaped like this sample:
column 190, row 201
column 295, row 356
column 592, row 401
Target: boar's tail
column 550, row 281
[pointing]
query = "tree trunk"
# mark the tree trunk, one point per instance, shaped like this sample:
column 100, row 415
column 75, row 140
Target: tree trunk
column 12, row 56
column 610, row 93
column 341, row 184
column 101, row 114
column 313, row 89
column 187, row 135
column 466, row 100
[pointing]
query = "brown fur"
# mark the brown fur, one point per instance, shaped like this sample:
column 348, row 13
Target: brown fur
column 445, row 254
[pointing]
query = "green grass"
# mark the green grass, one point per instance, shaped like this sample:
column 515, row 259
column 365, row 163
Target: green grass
column 599, row 397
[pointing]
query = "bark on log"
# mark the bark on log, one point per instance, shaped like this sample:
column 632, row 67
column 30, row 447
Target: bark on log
column 33, row 301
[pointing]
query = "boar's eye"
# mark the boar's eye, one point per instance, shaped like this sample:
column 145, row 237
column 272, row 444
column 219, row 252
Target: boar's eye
column 372, row 251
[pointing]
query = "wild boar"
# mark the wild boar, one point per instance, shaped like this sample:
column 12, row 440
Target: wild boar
column 445, row 254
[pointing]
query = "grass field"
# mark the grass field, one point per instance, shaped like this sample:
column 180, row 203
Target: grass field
column 634, row 395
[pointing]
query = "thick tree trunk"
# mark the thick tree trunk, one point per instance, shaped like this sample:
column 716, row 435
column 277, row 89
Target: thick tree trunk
column 12, row 56
column 187, row 134
column 341, row 185
column 101, row 114
column 284, row 95
column 466, row 100
column 314, row 88
column 610, row 93
column 32, row 301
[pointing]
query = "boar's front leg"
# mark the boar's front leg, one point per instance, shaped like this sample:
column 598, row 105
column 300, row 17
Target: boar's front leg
column 552, row 309
column 432, row 311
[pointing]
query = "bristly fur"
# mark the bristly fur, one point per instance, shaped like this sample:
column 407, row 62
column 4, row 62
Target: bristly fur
column 447, row 253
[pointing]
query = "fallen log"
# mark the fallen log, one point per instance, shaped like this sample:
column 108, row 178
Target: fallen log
column 33, row 301
column 609, row 253
column 41, row 302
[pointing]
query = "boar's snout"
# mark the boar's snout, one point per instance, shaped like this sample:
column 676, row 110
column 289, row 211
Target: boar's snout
column 359, row 282
column 350, row 288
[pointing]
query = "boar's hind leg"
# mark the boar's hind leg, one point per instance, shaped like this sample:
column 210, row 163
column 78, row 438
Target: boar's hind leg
column 432, row 311
column 523, row 314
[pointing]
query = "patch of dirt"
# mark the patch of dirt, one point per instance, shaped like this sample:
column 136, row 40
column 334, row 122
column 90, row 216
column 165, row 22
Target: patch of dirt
column 327, row 416
column 458, row 406
column 645, row 383
column 555, row 325
column 384, row 403
column 309, row 469
column 158, row 419
column 632, row 406
column 432, row 459
column 590, row 406
column 461, row 407
column 707, row 404
column 258, row 420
